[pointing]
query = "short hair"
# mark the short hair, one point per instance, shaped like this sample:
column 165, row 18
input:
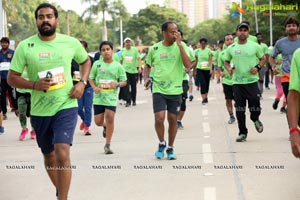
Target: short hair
column 221, row 42
column 181, row 33
column 258, row 34
column 164, row 26
column 291, row 20
column 4, row 39
column 84, row 43
column 46, row 5
column 106, row 43
column 203, row 39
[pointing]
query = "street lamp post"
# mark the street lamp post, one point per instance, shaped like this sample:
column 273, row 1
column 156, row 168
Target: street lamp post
column 271, row 24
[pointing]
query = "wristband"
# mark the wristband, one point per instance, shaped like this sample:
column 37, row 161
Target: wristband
column 295, row 129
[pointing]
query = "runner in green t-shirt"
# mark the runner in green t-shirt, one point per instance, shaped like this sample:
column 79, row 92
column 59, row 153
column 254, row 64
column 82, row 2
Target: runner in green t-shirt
column 227, row 80
column 104, row 78
column 131, row 61
column 279, row 89
column 243, row 55
column 23, row 105
column 47, row 56
column 294, row 103
column 203, row 68
column 167, row 58
column 185, row 85
column 263, row 71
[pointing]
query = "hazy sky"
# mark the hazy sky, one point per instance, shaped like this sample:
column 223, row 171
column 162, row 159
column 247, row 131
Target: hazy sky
column 133, row 6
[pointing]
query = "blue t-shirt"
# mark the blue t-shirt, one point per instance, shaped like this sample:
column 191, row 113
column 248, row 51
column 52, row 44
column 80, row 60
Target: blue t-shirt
column 5, row 59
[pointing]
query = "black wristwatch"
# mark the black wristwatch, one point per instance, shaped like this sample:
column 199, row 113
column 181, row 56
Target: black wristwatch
column 83, row 81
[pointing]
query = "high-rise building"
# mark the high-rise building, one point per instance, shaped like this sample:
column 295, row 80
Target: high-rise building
column 199, row 10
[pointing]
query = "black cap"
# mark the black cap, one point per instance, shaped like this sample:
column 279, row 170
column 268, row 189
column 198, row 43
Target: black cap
column 4, row 39
column 245, row 25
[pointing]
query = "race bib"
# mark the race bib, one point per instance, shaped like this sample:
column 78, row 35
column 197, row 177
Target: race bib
column 58, row 77
column 104, row 85
column 204, row 65
column 76, row 76
column 4, row 66
column 128, row 59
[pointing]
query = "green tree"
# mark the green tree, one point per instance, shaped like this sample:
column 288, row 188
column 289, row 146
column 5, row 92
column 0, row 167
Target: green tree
column 102, row 6
column 146, row 24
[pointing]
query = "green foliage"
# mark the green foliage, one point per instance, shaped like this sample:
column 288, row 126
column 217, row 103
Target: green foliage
column 147, row 23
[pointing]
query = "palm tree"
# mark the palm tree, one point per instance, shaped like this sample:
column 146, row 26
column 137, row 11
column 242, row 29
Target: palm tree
column 119, row 11
column 97, row 7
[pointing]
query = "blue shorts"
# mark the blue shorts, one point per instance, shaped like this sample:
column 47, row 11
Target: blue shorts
column 55, row 129
column 99, row 109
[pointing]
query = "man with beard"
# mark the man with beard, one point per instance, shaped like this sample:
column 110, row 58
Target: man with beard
column 286, row 47
column 53, row 96
column 241, row 63
column 167, row 58
column 6, row 55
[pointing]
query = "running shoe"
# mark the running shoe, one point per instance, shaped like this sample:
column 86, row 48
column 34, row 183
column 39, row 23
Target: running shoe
column 282, row 110
column 104, row 131
column 1, row 130
column 170, row 154
column 204, row 101
column 4, row 117
column 231, row 120
column 23, row 134
column 241, row 138
column 107, row 150
column 87, row 131
column 275, row 104
column 133, row 104
column 160, row 152
column 179, row 125
column 259, row 126
column 32, row 134
column 191, row 97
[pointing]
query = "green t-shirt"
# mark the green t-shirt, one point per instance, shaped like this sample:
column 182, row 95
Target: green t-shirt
column 167, row 63
column 21, row 90
column 243, row 57
column 55, row 56
column 215, row 55
column 103, row 73
column 129, row 58
column 190, row 53
column 278, row 57
column 203, row 58
column 295, row 72
column 227, row 79
column 270, row 49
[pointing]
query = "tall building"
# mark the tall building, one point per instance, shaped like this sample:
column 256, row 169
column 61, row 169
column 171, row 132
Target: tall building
column 198, row 11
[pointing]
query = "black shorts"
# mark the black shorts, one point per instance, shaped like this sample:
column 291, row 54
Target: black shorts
column 99, row 109
column 228, row 91
column 171, row 103
column 55, row 129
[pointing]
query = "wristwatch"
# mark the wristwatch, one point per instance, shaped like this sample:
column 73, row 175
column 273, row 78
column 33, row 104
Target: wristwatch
column 83, row 81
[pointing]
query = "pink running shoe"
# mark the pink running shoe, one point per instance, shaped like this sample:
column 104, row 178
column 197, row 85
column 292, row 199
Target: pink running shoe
column 87, row 131
column 23, row 134
column 82, row 126
column 32, row 134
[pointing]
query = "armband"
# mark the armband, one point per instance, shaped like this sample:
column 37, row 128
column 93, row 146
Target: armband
column 295, row 129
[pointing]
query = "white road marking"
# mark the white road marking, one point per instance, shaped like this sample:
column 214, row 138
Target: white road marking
column 207, row 155
column 210, row 193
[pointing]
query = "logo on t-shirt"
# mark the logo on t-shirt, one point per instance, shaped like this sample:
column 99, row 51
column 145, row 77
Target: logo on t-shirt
column 45, row 55
column 164, row 55
column 237, row 51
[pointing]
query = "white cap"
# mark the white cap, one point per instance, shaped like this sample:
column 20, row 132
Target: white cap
column 128, row 38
